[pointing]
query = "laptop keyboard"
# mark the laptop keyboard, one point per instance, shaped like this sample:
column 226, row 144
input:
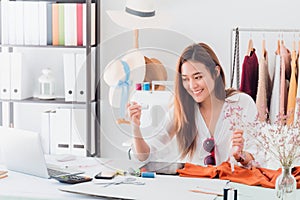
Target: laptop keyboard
column 54, row 172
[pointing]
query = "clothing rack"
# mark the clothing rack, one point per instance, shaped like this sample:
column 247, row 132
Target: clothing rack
column 266, row 30
column 236, row 31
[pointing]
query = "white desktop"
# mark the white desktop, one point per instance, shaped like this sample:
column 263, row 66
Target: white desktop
column 24, row 185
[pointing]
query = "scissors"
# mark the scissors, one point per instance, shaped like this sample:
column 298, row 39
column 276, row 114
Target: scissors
column 129, row 180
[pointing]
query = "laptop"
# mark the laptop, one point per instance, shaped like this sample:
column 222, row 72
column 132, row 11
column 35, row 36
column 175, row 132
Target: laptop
column 22, row 152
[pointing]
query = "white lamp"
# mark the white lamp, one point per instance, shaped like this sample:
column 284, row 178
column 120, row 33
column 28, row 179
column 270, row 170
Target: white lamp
column 46, row 82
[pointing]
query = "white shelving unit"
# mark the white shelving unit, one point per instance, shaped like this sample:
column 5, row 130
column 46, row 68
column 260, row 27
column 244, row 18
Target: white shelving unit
column 26, row 113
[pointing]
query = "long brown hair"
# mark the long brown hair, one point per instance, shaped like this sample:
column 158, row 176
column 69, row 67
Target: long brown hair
column 184, row 104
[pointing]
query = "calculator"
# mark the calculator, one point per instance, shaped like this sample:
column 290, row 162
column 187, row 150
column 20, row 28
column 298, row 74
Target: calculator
column 72, row 179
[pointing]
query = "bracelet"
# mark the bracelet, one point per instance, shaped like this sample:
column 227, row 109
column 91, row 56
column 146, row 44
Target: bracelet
column 252, row 163
column 242, row 157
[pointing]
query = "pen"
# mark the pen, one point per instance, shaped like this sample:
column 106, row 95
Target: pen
column 232, row 163
column 204, row 192
column 232, row 159
column 3, row 176
column 3, row 172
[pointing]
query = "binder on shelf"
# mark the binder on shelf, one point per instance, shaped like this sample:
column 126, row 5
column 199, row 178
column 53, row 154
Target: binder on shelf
column 84, row 24
column 49, row 24
column 31, row 23
column 81, row 77
column 19, row 22
column 5, row 114
column 5, row 75
column 20, row 82
column 70, row 24
column 61, row 24
column 69, row 76
column 52, row 144
column 60, row 131
column 93, row 23
column 78, row 136
column 55, row 24
column 4, row 22
column 67, row 130
column 43, row 22
column 12, row 23
column 79, row 20
column 45, row 131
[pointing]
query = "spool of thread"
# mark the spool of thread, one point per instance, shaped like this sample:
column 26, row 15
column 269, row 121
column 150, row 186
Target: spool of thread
column 235, row 194
column 148, row 174
column 230, row 194
column 225, row 195
column 138, row 86
column 146, row 86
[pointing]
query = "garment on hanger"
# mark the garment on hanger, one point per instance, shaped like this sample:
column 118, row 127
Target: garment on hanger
column 250, row 47
column 249, row 79
column 286, row 56
column 275, row 95
column 292, row 90
column 263, row 90
column 264, row 50
column 285, row 60
column 297, row 109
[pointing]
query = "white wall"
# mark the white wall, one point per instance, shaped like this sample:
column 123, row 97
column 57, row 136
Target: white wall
column 211, row 22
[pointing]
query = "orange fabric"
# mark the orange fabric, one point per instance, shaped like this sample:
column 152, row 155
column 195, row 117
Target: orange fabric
column 255, row 177
column 191, row 170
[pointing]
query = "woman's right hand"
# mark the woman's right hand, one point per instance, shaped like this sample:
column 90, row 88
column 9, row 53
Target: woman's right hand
column 134, row 113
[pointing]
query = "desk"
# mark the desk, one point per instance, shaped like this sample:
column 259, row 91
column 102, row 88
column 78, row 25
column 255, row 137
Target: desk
column 19, row 186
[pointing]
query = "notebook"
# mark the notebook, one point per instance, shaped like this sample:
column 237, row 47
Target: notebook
column 22, row 152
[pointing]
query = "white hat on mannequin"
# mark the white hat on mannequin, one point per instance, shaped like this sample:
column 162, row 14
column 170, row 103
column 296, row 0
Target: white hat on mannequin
column 114, row 74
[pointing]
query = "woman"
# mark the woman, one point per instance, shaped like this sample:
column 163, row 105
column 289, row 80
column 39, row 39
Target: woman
column 197, row 121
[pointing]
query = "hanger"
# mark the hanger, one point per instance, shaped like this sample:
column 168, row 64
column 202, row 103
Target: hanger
column 282, row 41
column 294, row 43
column 264, row 51
column 278, row 47
column 299, row 47
column 136, row 38
column 294, row 54
column 250, row 46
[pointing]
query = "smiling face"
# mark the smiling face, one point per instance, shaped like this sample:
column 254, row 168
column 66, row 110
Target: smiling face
column 197, row 80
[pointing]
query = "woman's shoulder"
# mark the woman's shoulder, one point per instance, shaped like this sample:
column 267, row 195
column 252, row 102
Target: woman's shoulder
column 239, row 97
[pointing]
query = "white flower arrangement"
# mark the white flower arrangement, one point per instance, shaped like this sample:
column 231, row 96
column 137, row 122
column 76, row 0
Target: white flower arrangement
column 279, row 140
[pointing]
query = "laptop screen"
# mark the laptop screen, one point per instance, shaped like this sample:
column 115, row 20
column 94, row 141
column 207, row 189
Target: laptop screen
column 22, row 151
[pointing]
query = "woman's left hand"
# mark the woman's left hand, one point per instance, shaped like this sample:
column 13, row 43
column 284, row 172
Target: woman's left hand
column 237, row 144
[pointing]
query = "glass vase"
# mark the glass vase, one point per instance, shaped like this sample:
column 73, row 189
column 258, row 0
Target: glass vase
column 286, row 184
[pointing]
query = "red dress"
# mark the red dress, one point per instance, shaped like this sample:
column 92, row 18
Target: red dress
column 249, row 79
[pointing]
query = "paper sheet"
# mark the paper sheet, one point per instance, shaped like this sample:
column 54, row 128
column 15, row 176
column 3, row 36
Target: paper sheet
column 161, row 187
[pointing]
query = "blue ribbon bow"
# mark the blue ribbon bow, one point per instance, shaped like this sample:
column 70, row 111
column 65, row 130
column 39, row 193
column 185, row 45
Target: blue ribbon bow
column 124, row 85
